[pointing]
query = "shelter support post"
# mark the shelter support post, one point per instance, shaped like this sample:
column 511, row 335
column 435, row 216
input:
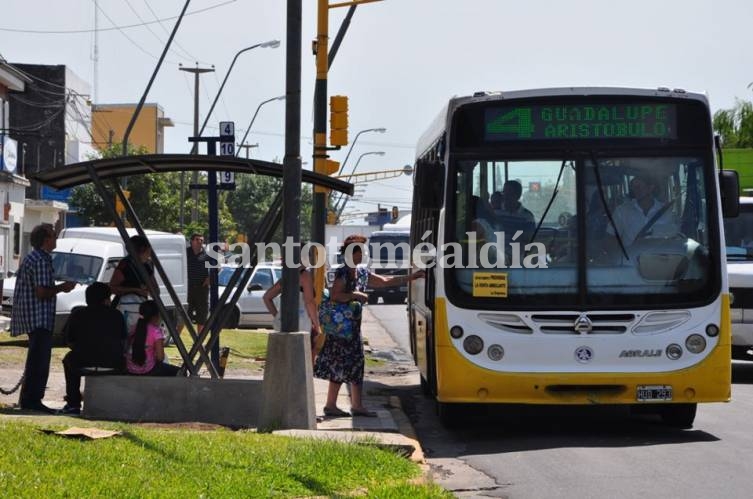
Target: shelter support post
column 182, row 314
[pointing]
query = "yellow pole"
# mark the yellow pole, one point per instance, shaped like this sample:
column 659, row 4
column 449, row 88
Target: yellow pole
column 320, row 134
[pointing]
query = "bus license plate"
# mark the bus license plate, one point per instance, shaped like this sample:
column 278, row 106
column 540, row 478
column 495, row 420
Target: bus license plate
column 653, row 393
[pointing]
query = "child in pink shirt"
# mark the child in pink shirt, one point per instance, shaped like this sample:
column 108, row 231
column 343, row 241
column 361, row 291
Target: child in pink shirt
column 146, row 345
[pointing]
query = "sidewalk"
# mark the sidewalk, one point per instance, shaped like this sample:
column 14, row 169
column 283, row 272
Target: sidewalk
column 390, row 427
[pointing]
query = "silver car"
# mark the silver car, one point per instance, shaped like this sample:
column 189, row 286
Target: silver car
column 250, row 310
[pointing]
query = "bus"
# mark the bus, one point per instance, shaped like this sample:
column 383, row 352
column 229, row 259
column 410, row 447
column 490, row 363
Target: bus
column 572, row 240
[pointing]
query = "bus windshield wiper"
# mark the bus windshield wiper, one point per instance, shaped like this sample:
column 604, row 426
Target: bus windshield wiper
column 551, row 200
column 600, row 186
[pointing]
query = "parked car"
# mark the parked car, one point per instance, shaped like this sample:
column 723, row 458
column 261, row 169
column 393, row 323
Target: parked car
column 89, row 254
column 250, row 310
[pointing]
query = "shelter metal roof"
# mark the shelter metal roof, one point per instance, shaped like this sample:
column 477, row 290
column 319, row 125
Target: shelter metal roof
column 111, row 168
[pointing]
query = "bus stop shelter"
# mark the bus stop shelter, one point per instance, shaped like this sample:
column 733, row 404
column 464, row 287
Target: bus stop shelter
column 109, row 171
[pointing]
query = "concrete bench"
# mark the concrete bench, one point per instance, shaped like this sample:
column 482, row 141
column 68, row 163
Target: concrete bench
column 228, row 402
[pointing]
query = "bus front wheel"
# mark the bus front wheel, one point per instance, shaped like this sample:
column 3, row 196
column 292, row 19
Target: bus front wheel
column 679, row 415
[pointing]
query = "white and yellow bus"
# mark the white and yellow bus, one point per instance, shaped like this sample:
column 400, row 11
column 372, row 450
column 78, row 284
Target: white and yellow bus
column 603, row 283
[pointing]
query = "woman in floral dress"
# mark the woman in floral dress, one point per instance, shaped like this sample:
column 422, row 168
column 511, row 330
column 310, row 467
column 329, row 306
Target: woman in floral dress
column 341, row 360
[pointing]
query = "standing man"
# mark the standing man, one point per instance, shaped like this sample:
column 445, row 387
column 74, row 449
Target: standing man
column 198, row 281
column 34, row 314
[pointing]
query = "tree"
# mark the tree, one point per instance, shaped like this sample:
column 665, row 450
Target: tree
column 252, row 199
column 735, row 125
column 155, row 198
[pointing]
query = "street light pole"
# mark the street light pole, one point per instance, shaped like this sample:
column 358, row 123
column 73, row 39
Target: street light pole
column 197, row 132
column 270, row 44
column 243, row 141
column 344, row 199
column 377, row 130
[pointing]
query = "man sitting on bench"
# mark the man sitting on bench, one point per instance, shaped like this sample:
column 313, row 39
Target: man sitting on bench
column 96, row 335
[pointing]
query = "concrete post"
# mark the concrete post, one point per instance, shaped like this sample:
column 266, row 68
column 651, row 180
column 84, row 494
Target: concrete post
column 288, row 387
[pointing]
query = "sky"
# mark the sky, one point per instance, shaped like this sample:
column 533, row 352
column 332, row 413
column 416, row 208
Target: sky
column 400, row 61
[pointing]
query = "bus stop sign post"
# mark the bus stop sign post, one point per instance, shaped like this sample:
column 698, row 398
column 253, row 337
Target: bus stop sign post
column 227, row 148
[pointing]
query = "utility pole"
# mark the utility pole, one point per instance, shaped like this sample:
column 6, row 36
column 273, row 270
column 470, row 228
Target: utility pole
column 288, row 388
column 324, row 59
column 248, row 148
column 195, row 177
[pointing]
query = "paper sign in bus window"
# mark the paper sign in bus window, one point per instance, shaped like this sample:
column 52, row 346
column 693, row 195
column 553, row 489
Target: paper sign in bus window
column 490, row 284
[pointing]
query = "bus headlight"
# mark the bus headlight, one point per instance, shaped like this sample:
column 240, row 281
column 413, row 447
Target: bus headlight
column 695, row 343
column 456, row 332
column 712, row 330
column 495, row 352
column 473, row 344
column 674, row 351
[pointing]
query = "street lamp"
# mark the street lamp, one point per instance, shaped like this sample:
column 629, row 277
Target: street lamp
column 344, row 199
column 269, row 44
column 240, row 145
column 377, row 130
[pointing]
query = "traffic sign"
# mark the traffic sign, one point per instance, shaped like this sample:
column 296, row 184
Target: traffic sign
column 227, row 148
column 227, row 129
column 227, row 177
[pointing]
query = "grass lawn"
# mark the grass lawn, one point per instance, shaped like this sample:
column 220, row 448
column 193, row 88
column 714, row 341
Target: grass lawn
column 149, row 462
column 248, row 350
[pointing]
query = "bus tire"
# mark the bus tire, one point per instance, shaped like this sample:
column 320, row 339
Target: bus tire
column 679, row 415
column 449, row 415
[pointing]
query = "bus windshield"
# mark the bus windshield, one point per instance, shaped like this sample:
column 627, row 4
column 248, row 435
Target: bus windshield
column 585, row 228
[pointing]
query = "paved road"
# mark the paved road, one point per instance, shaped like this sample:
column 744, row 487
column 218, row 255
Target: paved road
column 586, row 452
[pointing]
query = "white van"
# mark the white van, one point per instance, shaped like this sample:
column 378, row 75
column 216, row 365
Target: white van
column 89, row 254
column 738, row 233
column 389, row 255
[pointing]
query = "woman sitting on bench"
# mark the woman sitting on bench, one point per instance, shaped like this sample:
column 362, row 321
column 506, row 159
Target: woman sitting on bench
column 145, row 354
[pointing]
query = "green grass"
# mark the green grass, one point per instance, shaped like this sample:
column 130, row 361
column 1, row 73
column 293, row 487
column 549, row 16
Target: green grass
column 248, row 350
column 147, row 462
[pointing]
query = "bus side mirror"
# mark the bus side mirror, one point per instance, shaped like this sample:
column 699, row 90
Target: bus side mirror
column 729, row 188
column 429, row 180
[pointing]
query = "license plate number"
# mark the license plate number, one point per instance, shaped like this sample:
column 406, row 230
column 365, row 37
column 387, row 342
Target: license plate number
column 653, row 393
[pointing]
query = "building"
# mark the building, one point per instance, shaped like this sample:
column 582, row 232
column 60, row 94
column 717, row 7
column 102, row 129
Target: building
column 51, row 121
column 109, row 122
column 12, row 184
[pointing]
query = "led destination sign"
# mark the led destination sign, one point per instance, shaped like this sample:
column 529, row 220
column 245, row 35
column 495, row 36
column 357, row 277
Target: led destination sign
column 565, row 122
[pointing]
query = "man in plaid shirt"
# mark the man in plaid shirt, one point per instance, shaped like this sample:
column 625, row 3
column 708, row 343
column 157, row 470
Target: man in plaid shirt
column 33, row 313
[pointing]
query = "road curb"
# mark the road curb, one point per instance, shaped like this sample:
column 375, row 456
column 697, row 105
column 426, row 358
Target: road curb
column 405, row 427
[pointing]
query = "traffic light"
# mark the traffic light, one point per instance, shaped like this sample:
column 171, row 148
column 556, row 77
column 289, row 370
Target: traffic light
column 119, row 208
column 331, row 167
column 338, row 120
column 395, row 213
column 331, row 217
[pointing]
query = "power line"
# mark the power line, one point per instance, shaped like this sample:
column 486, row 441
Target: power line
column 149, row 28
column 114, row 27
column 191, row 57
column 133, row 42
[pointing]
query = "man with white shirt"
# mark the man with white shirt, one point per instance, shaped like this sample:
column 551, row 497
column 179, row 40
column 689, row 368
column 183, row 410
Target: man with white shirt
column 643, row 214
